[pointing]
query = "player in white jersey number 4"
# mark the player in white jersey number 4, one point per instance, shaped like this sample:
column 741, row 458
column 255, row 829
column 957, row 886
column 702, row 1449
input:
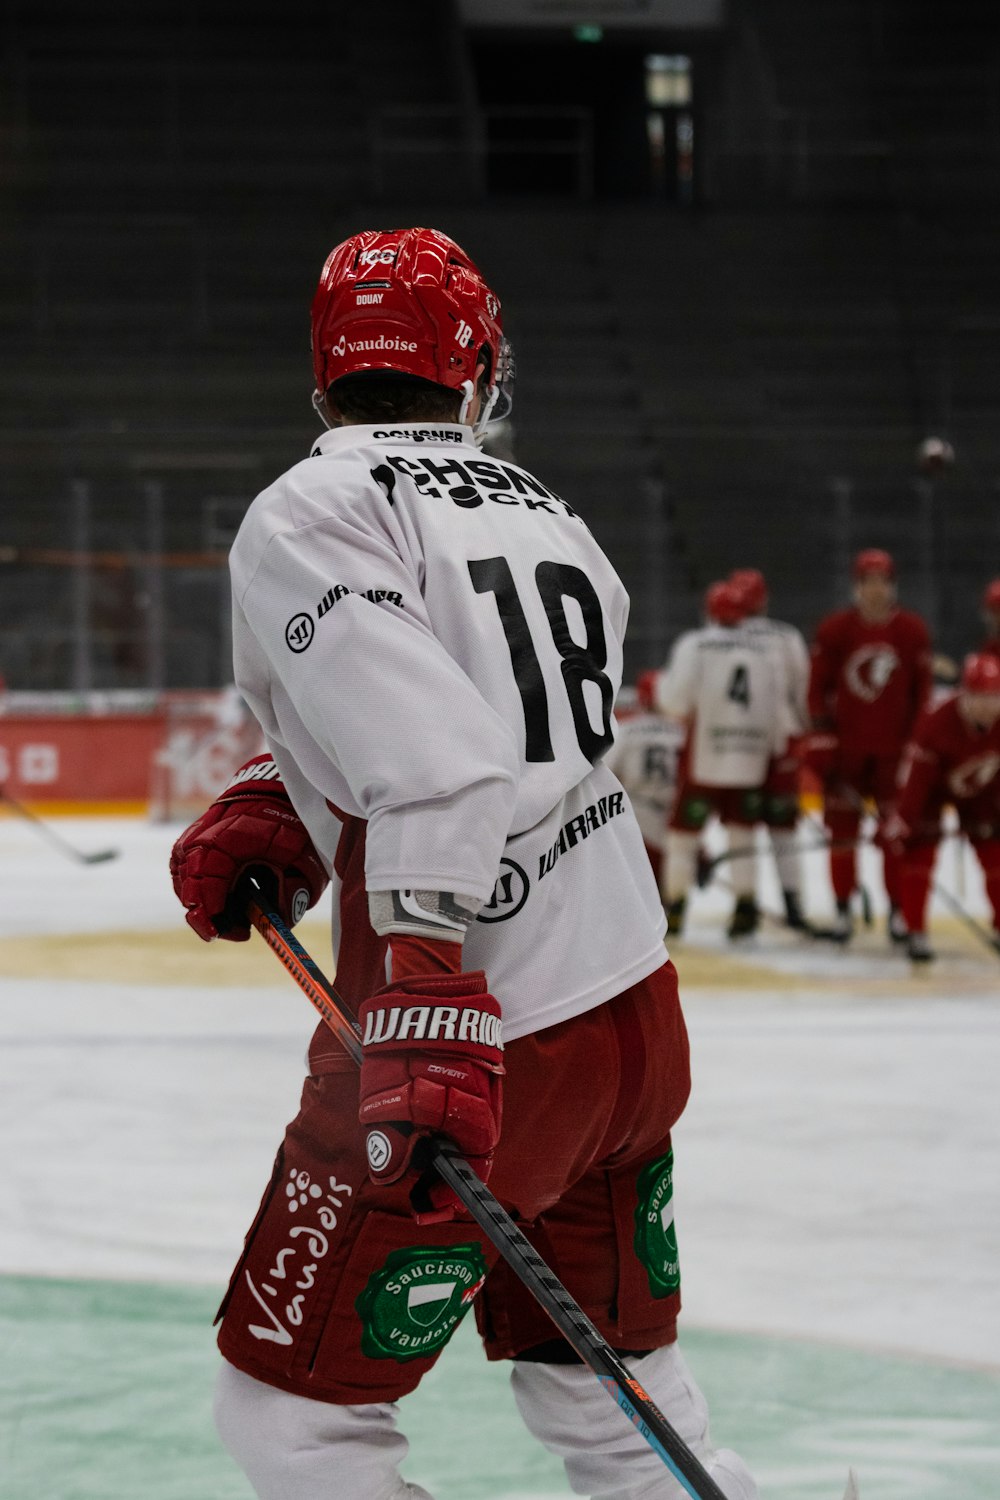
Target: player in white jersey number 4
column 722, row 680
column 431, row 642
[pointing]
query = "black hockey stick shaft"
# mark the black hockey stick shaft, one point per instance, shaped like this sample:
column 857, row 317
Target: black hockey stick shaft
column 941, row 891
column 500, row 1229
column 100, row 856
column 841, row 844
column 966, row 917
column 708, row 867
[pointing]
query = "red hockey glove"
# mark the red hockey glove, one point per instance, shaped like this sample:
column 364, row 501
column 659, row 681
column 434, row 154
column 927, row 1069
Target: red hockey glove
column 433, row 1062
column 252, row 823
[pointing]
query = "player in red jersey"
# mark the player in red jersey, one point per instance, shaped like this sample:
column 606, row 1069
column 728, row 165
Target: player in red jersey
column 991, row 617
column 870, row 677
column 954, row 757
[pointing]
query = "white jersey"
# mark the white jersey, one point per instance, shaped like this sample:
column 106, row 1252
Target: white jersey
column 644, row 758
column 431, row 640
column 725, row 682
column 792, row 661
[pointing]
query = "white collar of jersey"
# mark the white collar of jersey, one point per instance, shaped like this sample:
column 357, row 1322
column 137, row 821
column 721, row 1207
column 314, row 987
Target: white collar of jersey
column 417, row 434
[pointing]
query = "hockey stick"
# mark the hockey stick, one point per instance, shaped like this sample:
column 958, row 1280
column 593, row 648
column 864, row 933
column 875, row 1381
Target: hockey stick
column 99, row 857
column 966, row 917
column 501, row 1230
column 866, row 901
column 706, row 867
column 522, row 1257
column 774, row 917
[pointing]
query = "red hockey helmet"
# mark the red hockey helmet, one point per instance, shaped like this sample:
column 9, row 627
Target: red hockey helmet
column 751, row 584
column 724, row 604
column 412, row 301
column 874, row 560
column 991, row 596
column 981, row 673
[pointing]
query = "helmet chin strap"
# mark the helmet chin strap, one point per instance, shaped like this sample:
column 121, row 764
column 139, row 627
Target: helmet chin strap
column 319, row 405
column 482, row 421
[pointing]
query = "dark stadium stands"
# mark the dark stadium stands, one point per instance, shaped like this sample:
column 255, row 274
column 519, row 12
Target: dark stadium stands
column 745, row 381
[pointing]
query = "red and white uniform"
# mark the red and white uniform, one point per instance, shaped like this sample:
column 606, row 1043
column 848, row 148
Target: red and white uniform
column 949, row 761
column 781, row 787
column 792, row 665
column 868, row 682
column 473, row 753
column 724, row 681
column 432, row 643
column 645, row 757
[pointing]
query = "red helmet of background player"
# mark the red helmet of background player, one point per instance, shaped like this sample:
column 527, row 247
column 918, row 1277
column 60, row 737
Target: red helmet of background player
column 412, row 301
column 874, row 560
column 751, row 584
column 991, row 596
column 724, row 604
column 981, row 673
column 645, row 689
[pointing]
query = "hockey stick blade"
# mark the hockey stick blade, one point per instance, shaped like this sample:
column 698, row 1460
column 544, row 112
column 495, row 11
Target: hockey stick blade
column 99, row 857
column 503, row 1233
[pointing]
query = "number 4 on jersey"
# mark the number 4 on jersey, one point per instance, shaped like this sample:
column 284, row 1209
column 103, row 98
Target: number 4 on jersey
column 739, row 686
column 554, row 581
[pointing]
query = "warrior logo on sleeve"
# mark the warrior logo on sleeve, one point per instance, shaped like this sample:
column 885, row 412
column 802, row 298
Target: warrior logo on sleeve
column 869, row 669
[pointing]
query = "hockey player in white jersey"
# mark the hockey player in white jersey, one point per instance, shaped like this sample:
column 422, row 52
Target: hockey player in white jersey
column 780, row 810
column 431, row 642
column 722, row 681
column 644, row 758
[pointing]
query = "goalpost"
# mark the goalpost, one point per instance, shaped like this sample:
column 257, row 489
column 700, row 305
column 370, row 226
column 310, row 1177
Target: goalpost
column 206, row 738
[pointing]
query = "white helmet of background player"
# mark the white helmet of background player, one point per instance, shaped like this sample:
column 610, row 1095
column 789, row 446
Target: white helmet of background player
column 410, row 302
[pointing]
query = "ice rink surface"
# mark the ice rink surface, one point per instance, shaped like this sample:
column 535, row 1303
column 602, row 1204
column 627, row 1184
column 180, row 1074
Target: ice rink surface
column 838, row 1207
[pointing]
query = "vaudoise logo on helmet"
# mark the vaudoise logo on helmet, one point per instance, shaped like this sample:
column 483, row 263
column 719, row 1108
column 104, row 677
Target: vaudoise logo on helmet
column 365, row 346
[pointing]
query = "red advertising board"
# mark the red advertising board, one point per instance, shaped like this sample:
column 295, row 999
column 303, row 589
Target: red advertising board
column 59, row 759
column 171, row 756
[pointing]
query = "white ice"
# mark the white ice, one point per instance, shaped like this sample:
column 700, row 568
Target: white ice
column 836, row 1168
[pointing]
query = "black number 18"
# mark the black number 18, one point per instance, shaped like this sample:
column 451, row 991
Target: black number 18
column 580, row 664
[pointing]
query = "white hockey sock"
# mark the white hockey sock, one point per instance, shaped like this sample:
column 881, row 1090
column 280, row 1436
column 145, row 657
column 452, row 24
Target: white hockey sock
column 742, row 860
column 570, row 1413
column 786, row 857
column 292, row 1448
column 682, row 853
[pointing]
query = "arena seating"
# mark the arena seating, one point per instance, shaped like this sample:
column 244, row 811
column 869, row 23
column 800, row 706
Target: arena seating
column 744, row 382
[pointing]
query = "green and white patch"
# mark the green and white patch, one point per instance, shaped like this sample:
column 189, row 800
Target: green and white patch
column 655, row 1240
column 412, row 1305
